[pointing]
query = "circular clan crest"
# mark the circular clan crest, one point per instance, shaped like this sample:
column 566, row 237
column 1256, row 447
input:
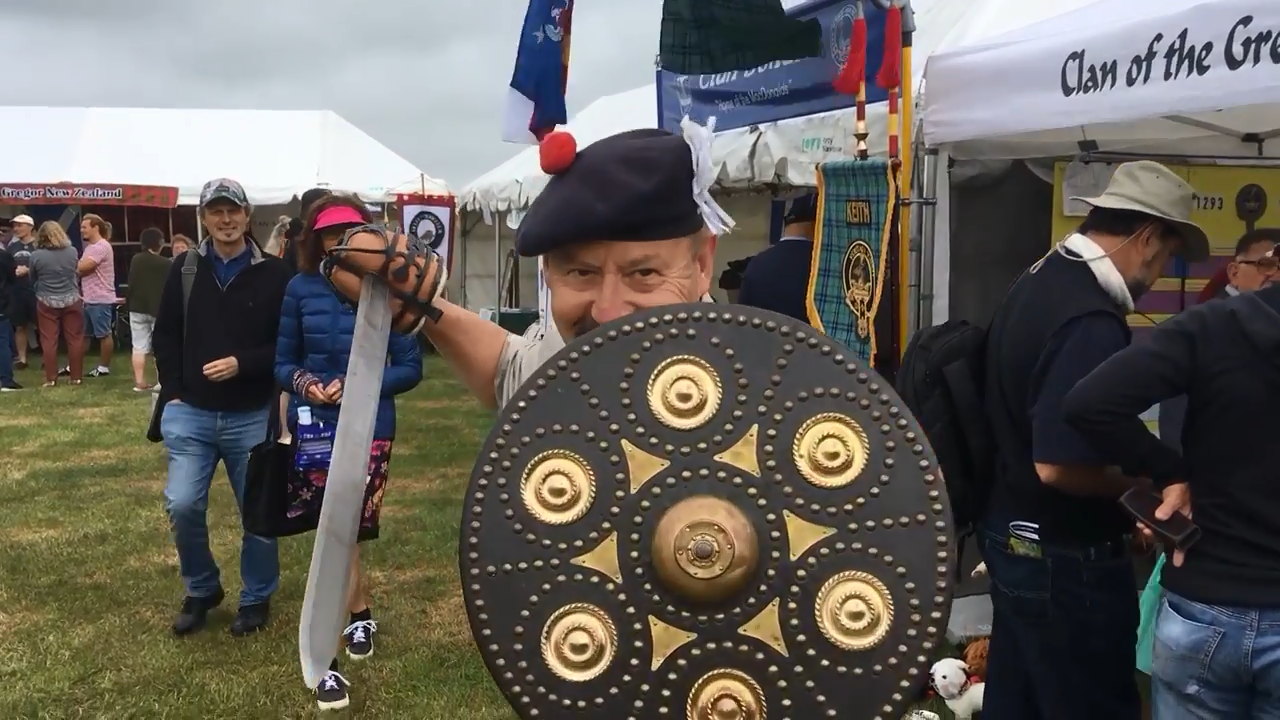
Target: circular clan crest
column 428, row 228
column 859, row 284
column 839, row 32
column 1251, row 204
column 708, row 513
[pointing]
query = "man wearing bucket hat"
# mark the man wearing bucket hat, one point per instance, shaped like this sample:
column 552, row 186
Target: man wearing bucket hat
column 1062, row 641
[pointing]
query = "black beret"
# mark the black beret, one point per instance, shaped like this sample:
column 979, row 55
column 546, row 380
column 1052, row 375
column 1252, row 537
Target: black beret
column 803, row 209
column 635, row 186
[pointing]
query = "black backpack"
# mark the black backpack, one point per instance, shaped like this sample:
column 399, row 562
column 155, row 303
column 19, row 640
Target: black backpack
column 941, row 379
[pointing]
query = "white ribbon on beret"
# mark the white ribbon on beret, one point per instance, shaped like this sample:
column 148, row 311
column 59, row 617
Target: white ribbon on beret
column 704, row 174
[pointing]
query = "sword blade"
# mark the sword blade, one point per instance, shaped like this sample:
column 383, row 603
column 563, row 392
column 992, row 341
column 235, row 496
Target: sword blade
column 324, row 608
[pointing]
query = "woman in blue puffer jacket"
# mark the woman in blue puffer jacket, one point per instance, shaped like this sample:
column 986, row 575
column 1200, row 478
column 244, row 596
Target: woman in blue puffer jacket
column 314, row 344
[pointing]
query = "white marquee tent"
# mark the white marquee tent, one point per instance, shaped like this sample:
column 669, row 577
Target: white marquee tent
column 277, row 155
column 1172, row 77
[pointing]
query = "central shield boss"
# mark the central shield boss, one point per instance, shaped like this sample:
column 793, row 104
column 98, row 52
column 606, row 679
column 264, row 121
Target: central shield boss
column 707, row 512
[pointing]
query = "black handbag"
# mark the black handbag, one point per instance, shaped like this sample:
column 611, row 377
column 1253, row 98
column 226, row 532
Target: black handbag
column 266, row 493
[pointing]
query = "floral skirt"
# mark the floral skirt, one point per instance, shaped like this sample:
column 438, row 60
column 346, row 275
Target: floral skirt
column 306, row 491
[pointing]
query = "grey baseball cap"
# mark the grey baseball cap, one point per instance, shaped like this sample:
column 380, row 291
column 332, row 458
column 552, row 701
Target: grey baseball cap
column 1152, row 189
column 223, row 189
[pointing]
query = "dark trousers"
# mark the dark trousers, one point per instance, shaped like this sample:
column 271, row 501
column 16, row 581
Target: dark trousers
column 1063, row 633
column 8, row 350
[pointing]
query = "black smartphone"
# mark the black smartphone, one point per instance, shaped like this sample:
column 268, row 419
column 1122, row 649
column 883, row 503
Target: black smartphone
column 1178, row 532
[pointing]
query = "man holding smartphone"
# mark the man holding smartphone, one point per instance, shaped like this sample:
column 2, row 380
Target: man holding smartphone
column 1217, row 634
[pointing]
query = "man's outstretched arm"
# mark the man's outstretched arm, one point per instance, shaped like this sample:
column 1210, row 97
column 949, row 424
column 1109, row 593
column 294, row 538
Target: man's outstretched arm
column 472, row 346
column 480, row 352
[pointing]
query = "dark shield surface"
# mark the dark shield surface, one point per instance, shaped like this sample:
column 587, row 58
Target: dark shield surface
column 707, row 512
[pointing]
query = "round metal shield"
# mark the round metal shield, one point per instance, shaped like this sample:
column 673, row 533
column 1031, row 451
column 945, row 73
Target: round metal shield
column 707, row 512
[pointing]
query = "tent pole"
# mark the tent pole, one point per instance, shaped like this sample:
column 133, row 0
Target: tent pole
column 909, row 316
column 462, row 279
column 928, row 218
column 497, row 268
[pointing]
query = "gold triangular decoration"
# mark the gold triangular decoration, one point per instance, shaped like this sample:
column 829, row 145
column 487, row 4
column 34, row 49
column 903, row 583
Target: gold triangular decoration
column 666, row 640
column 802, row 534
column 767, row 628
column 641, row 465
column 743, row 453
column 604, row 559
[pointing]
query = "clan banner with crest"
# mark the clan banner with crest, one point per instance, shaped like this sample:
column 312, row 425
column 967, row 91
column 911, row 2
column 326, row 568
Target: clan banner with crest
column 432, row 219
column 852, row 238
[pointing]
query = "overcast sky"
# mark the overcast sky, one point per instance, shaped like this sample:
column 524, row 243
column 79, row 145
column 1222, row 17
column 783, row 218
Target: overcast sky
column 427, row 78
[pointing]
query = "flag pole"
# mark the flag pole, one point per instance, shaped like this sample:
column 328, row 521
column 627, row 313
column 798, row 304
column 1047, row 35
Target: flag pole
column 895, row 78
column 905, row 179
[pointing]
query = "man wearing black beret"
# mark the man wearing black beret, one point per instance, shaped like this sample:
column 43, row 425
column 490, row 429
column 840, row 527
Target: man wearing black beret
column 625, row 224
column 778, row 278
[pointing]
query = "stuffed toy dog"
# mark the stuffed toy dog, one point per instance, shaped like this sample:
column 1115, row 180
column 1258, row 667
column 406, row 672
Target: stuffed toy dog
column 957, row 687
column 975, row 657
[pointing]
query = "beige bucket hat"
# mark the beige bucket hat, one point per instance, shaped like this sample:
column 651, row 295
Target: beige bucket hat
column 1152, row 189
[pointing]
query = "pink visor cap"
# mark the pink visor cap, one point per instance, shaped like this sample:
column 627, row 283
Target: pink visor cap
column 334, row 216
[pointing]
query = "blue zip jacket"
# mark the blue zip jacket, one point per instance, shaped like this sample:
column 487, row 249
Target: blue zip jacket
column 316, row 329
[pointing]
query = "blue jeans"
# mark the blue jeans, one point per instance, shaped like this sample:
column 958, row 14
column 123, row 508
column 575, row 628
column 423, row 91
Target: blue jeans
column 1215, row 663
column 7, row 349
column 1062, row 632
column 196, row 440
column 98, row 319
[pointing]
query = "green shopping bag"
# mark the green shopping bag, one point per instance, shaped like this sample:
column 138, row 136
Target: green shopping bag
column 1149, row 607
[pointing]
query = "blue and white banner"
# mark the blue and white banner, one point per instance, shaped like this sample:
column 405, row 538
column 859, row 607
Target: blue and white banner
column 779, row 90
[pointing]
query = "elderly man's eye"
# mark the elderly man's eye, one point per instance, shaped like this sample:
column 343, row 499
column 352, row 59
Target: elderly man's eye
column 644, row 273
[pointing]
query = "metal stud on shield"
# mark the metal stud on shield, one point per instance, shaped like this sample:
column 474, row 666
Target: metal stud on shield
column 711, row 514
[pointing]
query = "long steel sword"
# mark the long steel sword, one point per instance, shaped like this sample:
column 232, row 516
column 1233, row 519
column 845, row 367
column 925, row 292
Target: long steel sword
column 324, row 609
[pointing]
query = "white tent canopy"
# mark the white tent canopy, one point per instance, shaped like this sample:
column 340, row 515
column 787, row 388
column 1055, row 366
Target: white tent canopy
column 275, row 154
column 1176, row 77
column 785, row 152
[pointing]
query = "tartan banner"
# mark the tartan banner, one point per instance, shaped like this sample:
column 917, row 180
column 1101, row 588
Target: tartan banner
column 700, row 37
column 852, row 239
column 88, row 194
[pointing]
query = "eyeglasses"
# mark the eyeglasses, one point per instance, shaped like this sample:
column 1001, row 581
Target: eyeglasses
column 1265, row 264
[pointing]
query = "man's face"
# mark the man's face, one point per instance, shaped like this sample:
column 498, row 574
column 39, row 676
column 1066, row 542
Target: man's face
column 594, row 283
column 22, row 230
column 88, row 231
column 225, row 221
column 1254, row 269
column 1148, row 250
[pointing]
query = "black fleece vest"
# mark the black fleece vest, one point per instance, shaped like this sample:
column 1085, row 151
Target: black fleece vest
column 1038, row 305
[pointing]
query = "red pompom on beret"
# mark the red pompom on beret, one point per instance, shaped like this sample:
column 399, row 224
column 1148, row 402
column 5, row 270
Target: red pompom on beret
column 556, row 152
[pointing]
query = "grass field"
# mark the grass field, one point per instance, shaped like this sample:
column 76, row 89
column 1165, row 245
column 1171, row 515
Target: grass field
column 89, row 578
